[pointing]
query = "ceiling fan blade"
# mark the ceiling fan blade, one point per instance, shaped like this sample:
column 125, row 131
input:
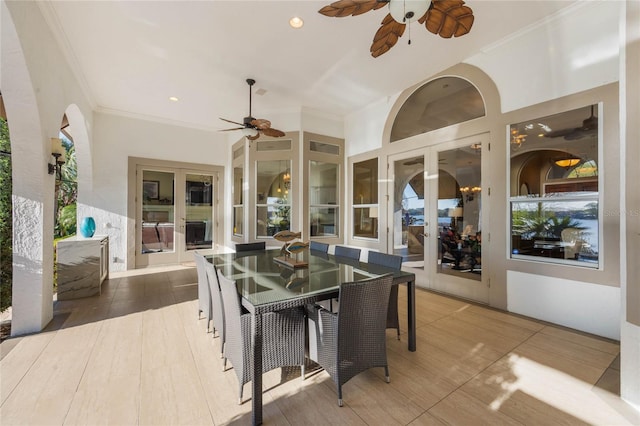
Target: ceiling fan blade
column 342, row 8
column 253, row 138
column 387, row 36
column 558, row 133
column 229, row 130
column 260, row 123
column 274, row 133
column 449, row 18
column 232, row 122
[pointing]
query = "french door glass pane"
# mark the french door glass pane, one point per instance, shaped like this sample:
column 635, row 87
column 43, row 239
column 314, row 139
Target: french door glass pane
column 198, row 211
column 460, row 212
column 158, row 211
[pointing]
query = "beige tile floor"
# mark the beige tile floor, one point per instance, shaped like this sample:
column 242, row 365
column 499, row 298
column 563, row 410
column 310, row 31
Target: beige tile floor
column 138, row 354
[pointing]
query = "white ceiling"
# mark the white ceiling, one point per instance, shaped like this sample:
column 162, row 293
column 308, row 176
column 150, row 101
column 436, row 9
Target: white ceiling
column 131, row 56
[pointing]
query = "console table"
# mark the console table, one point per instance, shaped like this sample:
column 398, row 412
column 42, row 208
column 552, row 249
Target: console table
column 83, row 264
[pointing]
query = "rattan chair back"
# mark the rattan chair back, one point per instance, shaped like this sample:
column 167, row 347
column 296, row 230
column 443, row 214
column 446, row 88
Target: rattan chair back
column 354, row 339
column 261, row 245
column 204, row 298
column 318, row 246
column 216, row 303
column 347, row 252
column 282, row 335
column 395, row 262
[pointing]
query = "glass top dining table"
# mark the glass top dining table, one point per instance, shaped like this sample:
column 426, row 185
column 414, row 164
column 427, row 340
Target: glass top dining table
column 267, row 285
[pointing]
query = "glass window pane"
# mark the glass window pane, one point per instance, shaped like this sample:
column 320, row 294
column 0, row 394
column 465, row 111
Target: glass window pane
column 323, row 182
column 439, row 103
column 157, row 211
column 273, row 202
column 199, row 211
column 324, row 222
column 238, row 221
column 326, row 148
column 273, row 145
column 365, row 223
column 237, row 185
column 237, row 153
column 558, row 230
column 365, row 182
column 554, row 160
column 554, row 154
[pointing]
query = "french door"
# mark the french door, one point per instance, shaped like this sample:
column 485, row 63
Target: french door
column 436, row 215
column 175, row 214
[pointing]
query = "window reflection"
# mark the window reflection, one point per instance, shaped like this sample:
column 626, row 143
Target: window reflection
column 238, row 207
column 460, row 212
column 323, row 191
column 554, row 188
column 273, row 205
column 365, row 199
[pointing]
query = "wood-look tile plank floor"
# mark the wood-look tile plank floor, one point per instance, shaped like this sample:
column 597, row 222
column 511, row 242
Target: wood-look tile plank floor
column 139, row 355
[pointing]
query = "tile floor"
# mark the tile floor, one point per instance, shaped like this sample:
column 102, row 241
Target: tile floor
column 138, row 355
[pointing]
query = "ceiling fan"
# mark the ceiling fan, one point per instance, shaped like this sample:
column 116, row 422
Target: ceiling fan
column 447, row 18
column 589, row 128
column 253, row 127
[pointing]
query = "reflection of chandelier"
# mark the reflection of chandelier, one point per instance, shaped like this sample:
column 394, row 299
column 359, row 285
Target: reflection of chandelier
column 568, row 162
column 470, row 191
column 286, row 178
column 517, row 139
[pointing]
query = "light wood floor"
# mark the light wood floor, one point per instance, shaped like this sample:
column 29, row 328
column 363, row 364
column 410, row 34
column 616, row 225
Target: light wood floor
column 138, row 355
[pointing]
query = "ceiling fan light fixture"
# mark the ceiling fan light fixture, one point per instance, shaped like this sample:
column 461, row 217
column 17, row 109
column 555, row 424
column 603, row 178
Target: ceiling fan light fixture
column 407, row 11
column 568, row 162
column 249, row 132
column 296, row 22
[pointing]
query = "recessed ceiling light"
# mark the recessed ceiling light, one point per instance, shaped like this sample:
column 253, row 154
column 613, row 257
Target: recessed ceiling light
column 296, row 22
column 173, row 99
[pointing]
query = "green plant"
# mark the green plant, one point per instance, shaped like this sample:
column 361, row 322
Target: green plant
column 6, row 218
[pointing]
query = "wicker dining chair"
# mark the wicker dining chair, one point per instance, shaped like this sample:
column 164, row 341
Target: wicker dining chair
column 283, row 338
column 347, row 252
column 216, row 305
column 261, row 245
column 204, row 298
column 318, row 246
column 353, row 340
column 395, row 262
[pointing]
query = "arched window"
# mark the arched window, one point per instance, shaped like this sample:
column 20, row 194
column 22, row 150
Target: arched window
column 439, row 103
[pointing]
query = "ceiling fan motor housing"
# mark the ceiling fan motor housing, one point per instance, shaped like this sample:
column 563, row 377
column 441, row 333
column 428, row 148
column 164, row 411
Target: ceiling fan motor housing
column 406, row 11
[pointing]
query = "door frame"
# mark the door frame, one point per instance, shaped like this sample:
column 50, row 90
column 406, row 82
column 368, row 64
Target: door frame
column 478, row 290
column 450, row 284
column 134, row 209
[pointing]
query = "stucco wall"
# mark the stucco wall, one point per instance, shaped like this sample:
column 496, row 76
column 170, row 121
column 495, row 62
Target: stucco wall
column 116, row 139
column 532, row 70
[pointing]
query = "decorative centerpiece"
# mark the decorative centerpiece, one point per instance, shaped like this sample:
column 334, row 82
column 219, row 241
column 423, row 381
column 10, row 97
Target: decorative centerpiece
column 290, row 248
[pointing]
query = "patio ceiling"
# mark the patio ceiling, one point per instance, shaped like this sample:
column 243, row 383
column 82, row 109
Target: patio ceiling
column 131, row 56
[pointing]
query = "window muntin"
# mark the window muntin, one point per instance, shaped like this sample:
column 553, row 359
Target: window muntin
column 323, row 192
column 365, row 199
column 273, row 203
column 554, row 191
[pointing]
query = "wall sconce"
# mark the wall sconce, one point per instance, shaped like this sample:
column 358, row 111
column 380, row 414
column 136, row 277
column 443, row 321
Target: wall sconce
column 57, row 151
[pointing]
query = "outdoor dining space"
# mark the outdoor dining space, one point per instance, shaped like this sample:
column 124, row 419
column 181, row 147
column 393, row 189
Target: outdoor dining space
column 143, row 353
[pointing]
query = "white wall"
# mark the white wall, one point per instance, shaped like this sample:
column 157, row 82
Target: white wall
column 588, row 307
column 570, row 52
column 116, row 139
column 36, row 97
